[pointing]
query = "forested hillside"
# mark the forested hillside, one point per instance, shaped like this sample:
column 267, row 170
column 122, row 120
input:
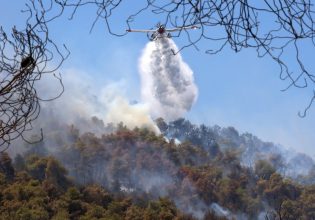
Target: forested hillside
column 289, row 163
column 38, row 188
column 137, row 174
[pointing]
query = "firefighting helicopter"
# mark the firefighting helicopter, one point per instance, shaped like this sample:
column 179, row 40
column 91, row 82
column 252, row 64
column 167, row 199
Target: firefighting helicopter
column 161, row 31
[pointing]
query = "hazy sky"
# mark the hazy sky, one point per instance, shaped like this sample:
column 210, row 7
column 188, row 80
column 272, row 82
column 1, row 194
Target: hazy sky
column 235, row 89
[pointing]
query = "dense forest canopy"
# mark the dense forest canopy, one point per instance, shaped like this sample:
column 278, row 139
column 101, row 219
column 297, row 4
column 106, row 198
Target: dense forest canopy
column 190, row 172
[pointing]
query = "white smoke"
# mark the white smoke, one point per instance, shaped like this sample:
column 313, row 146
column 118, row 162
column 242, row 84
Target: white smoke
column 82, row 100
column 168, row 91
column 167, row 81
column 220, row 211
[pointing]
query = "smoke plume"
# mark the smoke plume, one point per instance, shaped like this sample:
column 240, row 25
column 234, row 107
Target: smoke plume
column 167, row 81
column 82, row 100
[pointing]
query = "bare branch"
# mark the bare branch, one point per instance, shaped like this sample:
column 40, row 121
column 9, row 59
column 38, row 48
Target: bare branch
column 26, row 55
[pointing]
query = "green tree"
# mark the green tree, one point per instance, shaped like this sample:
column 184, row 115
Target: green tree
column 97, row 195
column 134, row 213
column 6, row 166
column 161, row 209
column 56, row 176
column 279, row 193
column 19, row 163
column 263, row 169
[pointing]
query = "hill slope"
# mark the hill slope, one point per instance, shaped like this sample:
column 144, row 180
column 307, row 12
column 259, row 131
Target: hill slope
column 202, row 172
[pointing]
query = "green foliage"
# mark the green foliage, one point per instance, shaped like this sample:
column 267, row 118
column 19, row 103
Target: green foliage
column 135, row 174
column 161, row 209
column 19, row 163
column 134, row 213
column 6, row 166
column 61, row 214
column 27, row 198
column 97, row 195
column 36, row 166
column 94, row 212
column 264, row 169
column 56, row 173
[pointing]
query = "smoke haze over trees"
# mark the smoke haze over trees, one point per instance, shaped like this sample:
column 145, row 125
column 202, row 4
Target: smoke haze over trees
column 200, row 171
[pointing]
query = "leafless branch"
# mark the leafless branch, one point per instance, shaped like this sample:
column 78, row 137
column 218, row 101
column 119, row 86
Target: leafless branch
column 26, row 55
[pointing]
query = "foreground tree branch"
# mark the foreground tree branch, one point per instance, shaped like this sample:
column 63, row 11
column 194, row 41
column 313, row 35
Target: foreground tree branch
column 26, row 55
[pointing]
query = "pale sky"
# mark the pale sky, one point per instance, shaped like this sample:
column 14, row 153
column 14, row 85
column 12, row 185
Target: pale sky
column 237, row 90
